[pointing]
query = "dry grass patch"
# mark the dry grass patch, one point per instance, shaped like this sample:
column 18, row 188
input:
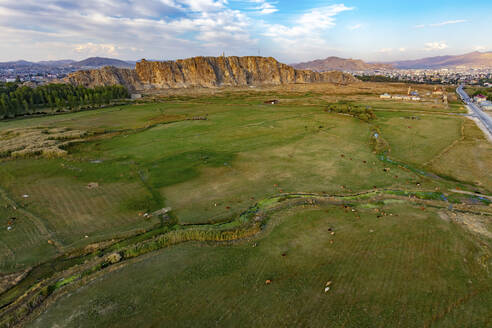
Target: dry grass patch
column 474, row 223
column 45, row 142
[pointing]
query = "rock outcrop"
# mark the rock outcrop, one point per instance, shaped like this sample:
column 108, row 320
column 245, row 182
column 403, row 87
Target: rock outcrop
column 106, row 76
column 205, row 72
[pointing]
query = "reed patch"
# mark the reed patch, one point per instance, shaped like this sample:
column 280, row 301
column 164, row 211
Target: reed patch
column 38, row 141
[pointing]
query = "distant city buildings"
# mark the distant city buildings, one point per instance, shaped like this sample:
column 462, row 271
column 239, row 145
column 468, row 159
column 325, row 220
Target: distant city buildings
column 455, row 76
column 400, row 97
column 37, row 75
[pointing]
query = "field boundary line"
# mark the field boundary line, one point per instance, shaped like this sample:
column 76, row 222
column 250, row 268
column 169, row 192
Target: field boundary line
column 448, row 148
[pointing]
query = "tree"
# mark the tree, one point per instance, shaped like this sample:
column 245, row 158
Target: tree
column 17, row 100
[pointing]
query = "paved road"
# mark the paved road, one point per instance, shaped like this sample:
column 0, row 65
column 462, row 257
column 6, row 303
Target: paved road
column 477, row 112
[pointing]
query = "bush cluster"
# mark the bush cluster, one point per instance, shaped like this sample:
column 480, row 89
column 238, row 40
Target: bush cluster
column 360, row 112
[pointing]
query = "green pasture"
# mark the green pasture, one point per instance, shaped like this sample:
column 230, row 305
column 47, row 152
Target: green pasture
column 417, row 139
column 410, row 269
column 153, row 155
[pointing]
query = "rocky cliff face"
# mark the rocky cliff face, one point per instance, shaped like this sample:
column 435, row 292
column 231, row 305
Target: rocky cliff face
column 205, row 72
column 227, row 71
column 106, row 76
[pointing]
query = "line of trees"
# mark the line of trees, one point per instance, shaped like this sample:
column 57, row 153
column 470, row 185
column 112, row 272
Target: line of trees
column 18, row 100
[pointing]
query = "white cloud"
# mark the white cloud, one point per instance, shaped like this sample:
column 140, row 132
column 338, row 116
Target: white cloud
column 307, row 33
column 90, row 48
column 165, row 28
column 264, row 7
column 430, row 46
column 479, row 48
column 204, row 5
column 457, row 21
column 355, row 27
column 309, row 24
column 385, row 50
column 449, row 22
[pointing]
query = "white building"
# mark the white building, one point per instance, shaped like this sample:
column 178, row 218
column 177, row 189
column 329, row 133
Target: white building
column 385, row 96
column 486, row 105
column 480, row 98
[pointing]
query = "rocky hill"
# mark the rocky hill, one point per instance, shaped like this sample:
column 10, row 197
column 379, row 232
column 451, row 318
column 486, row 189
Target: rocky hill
column 205, row 72
column 106, row 76
column 340, row 64
column 471, row 60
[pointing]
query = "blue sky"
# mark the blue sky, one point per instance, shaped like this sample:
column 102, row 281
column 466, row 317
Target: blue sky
column 291, row 31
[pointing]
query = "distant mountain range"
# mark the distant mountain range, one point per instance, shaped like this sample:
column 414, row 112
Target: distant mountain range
column 101, row 62
column 340, row 64
column 93, row 62
column 471, row 60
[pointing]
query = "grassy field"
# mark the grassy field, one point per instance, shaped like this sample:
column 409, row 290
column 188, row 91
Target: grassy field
column 411, row 269
column 413, row 139
column 469, row 159
column 24, row 246
column 139, row 158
